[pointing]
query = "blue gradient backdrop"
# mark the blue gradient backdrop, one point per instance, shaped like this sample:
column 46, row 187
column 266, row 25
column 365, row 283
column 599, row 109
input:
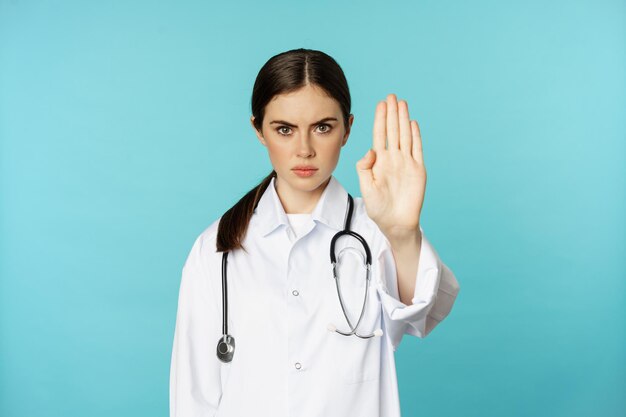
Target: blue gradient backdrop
column 124, row 132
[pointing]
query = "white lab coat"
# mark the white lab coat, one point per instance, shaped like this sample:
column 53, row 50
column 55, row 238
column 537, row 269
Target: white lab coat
column 281, row 298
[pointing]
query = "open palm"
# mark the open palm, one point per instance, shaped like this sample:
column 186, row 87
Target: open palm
column 393, row 178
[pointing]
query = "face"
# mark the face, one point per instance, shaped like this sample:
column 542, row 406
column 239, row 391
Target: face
column 304, row 128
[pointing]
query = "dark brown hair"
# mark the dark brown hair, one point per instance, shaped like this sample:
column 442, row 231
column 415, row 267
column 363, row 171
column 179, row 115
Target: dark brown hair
column 283, row 73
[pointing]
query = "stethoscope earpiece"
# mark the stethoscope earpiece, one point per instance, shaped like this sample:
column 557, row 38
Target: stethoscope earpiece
column 332, row 328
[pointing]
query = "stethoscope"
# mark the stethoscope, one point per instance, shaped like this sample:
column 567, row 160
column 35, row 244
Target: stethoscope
column 226, row 343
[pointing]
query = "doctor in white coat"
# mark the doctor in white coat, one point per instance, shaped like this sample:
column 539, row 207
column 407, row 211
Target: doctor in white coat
column 283, row 305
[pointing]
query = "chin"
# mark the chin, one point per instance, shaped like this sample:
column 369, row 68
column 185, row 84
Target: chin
column 307, row 184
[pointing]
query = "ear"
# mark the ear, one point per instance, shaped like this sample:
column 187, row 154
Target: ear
column 348, row 130
column 258, row 134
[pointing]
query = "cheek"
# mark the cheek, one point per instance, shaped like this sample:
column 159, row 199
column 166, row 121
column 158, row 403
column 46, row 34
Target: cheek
column 332, row 151
column 277, row 154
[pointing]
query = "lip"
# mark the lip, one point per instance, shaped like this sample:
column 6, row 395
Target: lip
column 304, row 170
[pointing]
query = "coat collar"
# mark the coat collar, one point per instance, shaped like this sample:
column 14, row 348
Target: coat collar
column 330, row 210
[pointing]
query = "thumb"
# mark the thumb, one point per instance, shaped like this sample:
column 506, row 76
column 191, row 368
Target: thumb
column 367, row 161
column 364, row 170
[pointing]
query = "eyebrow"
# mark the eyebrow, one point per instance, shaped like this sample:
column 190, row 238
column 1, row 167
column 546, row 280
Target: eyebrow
column 325, row 119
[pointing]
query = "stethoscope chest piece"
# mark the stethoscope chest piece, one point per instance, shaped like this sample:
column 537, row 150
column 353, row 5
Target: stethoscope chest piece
column 226, row 348
column 226, row 344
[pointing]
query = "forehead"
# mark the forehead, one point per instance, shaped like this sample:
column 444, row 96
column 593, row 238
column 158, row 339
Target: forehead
column 306, row 104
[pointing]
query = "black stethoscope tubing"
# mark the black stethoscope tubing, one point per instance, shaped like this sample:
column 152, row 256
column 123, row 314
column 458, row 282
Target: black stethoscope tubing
column 226, row 343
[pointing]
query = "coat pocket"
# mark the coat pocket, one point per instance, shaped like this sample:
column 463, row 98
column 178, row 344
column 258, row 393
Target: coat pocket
column 357, row 360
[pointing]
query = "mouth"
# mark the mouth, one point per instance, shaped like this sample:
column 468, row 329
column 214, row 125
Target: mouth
column 304, row 170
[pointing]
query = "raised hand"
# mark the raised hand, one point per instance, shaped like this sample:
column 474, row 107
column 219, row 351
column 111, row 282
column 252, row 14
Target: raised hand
column 392, row 178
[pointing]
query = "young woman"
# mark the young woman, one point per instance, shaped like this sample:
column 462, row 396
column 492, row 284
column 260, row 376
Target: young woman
column 279, row 313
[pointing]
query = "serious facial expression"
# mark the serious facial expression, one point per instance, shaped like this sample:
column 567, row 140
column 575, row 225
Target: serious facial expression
column 304, row 129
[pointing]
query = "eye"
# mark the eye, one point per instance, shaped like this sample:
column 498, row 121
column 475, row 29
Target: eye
column 279, row 130
column 327, row 127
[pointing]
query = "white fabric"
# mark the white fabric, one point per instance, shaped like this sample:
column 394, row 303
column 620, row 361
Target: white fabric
column 299, row 223
column 282, row 296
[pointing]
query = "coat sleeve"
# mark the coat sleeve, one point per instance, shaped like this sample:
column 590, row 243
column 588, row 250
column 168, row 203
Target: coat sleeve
column 195, row 371
column 436, row 289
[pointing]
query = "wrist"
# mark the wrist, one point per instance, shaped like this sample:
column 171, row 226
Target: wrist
column 399, row 236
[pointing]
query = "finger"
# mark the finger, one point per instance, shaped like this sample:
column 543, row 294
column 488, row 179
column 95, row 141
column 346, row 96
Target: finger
column 379, row 131
column 405, row 127
column 392, row 123
column 417, row 152
column 364, row 171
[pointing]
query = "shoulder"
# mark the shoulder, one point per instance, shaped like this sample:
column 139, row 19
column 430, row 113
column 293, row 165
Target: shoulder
column 209, row 235
column 200, row 271
column 204, row 250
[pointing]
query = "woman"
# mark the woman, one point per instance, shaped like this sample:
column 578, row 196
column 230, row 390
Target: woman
column 287, row 356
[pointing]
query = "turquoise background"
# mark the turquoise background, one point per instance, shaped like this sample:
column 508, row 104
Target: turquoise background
column 124, row 132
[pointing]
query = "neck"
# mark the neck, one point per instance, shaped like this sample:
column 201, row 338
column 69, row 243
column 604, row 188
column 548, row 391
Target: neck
column 296, row 201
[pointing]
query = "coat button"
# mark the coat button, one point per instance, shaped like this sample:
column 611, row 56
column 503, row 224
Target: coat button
column 298, row 365
column 295, row 292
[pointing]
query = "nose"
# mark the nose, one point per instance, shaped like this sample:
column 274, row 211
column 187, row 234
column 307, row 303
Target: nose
column 305, row 149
